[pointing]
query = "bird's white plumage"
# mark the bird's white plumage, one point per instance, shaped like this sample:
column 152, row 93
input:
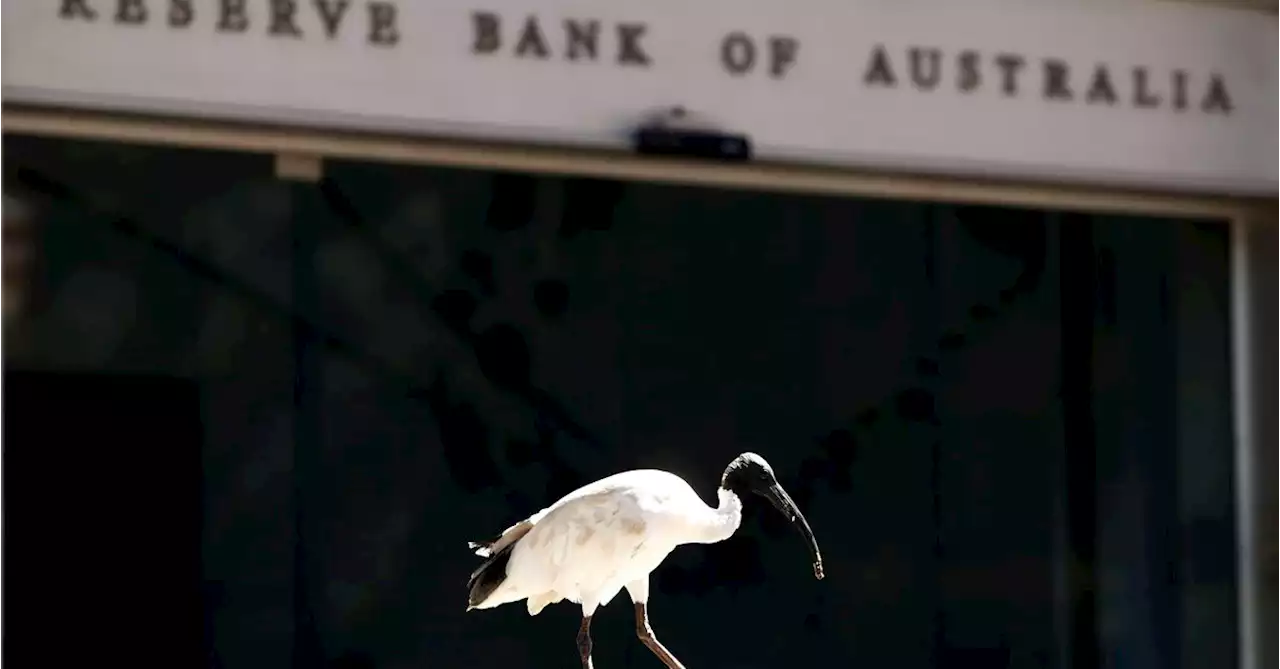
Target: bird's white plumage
column 605, row 536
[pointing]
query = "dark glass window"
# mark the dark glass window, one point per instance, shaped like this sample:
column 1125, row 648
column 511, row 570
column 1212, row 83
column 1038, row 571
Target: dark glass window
column 1010, row 429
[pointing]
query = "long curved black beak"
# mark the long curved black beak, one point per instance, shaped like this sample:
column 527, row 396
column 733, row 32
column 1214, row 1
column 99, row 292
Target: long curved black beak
column 782, row 502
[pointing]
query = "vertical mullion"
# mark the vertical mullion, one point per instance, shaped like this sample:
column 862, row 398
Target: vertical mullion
column 1078, row 290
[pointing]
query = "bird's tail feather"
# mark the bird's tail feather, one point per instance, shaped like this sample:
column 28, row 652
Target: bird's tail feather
column 486, row 579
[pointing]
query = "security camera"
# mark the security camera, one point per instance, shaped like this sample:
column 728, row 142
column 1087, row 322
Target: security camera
column 675, row 134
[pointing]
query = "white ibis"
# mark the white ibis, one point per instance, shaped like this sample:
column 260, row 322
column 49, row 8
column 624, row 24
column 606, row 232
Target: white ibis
column 608, row 535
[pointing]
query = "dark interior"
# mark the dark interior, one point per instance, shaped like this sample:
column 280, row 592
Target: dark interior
column 103, row 522
column 1009, row 429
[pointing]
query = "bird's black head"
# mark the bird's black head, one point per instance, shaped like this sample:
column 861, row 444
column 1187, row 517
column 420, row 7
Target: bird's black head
column 750, row 473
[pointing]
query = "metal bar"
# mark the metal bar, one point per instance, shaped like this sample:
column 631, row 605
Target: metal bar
column 542, row 160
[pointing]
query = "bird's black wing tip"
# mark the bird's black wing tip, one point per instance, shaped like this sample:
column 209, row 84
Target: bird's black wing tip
column 488, row 577
column 479, row 548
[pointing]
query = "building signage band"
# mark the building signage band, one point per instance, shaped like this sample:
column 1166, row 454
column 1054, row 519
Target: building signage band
column 1174, row 97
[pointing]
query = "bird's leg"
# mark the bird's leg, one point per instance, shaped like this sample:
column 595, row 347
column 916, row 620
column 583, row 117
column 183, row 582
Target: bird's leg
column 647, row 638
column 584, row 642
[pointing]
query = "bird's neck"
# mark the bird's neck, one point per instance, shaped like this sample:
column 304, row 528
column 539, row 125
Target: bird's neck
column 724, row 520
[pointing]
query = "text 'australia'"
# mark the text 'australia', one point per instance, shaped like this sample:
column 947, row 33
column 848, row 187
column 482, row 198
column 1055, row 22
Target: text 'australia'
column 1012, row 75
